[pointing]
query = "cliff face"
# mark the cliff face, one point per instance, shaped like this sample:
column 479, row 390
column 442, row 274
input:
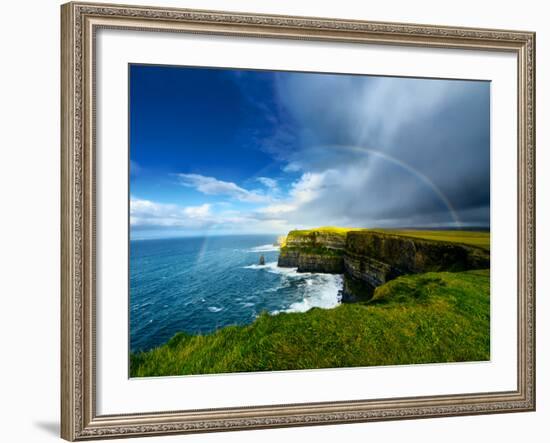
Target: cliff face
column 311, row 261
column 314, row 251
column 374, row 258
column 369, row 259
column 335, row 240
column 407, row 255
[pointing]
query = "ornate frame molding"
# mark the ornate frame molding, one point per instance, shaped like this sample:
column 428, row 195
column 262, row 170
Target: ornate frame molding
column 79, row 420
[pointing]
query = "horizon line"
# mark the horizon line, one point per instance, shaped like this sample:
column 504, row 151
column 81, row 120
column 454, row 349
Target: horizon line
column 474, row 228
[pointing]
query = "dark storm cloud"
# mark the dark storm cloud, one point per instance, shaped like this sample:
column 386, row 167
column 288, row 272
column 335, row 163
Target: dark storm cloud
column 386, row 151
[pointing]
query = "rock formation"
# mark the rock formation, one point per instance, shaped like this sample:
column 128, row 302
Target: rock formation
column 314, row 251
column 368, row 259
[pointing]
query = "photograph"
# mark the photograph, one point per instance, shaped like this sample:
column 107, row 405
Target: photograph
column 283, row 220
column 290, row 217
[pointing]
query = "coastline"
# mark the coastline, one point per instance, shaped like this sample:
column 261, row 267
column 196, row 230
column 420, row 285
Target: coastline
column 374, row 333
column 420, row 292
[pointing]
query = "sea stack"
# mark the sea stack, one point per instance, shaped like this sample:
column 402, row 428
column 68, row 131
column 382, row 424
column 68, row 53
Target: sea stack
column 262, row 260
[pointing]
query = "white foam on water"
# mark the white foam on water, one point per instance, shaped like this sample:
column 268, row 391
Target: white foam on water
column 275, row 289
column 285, row 284
column 254, row 267
column 321, row 292
column 270, row 266
column 274, row 269
column 214, row 309
column 264, row 248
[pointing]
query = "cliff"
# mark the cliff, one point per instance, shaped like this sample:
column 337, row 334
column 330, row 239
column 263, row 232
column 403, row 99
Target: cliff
column 368, row 259
column 319, row 250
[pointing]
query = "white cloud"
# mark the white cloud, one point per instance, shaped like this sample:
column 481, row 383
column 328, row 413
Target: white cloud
column 142, row 208
column 213, row 186
column 292, row 166
column 277, row 209
column 149, row 213
column 307, row 188
column 303, row 191
column 269, row 183
column 197, row 211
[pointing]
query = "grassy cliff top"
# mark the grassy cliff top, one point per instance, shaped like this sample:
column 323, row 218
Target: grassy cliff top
column 433, row 317
column 333, row 230
column 328, row 229
column 471, row 238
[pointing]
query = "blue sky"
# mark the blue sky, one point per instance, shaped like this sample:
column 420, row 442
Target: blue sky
column 239, row 151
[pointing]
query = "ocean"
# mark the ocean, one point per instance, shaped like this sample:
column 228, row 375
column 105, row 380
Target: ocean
column 198, row 285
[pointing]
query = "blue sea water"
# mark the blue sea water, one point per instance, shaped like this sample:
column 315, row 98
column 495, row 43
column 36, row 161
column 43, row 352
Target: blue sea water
column 198, row 285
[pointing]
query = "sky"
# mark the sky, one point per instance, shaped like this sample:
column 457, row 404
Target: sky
column 226, row 151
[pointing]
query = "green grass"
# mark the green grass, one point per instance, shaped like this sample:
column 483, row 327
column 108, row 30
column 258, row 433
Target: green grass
column 311, row 233
column 424, row 318
column 331, row 229
column 470, row 238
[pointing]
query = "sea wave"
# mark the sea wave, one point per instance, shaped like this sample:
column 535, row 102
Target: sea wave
column 267, row 266
column 284, row 284
column 273, row 268
column 214, row 309
column 264, row 248
column 321, row 291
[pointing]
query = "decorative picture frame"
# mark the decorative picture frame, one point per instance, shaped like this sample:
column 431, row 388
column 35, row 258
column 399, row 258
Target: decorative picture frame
column 79, row 417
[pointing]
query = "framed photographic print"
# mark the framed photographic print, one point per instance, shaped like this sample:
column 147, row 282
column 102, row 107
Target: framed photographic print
column 282, row 221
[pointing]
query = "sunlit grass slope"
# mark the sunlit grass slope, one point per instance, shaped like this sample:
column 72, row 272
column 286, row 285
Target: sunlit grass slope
column 480, row 239
column 423, row 318
column 471, row 238
column 331, row 229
